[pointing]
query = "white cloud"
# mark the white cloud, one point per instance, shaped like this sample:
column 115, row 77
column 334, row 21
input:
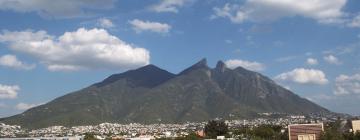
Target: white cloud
column 287, row 87
column 56, row 8
column 9, row 91
column 231, row 12
column 324, row 11
column 304, row 76
column 11, row 61
column 332, row 59
column 140, row 26
column 347, row 84
column 168, row 6
column 81, row 49
column 311, row 61
column 321, row 97
column 105, row 23
column 349, row 49
column 25, row 106
column 355, row 22
column 255, row 66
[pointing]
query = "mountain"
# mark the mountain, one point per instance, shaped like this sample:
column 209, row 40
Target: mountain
column 152, row 95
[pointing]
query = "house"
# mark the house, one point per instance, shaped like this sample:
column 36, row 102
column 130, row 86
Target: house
column 305, row 131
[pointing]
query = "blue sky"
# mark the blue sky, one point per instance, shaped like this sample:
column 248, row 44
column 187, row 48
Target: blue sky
column 50, row 48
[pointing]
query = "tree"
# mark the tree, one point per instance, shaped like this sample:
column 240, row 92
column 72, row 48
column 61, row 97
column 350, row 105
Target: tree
column 268, row 132
column 243, row 132
column 332, row 132
column 356, row 136
column 89, row 136
column 216, row 128
column 264, row 132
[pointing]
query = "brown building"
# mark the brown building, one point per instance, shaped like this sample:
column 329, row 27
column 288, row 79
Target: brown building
column 305, row 131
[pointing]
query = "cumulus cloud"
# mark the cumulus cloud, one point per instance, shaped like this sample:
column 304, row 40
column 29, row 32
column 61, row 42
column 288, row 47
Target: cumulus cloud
column 254, row 66
column 9, row 91
column 25, row 106
column 11, row 61
column 323, row 11
column 304, row 76
column 168, row 6
column 81, row 49
column 140, row 26
column 105, row 23
column 332, row 59
column 347, row 84
column 311, row 61
column 56, row 8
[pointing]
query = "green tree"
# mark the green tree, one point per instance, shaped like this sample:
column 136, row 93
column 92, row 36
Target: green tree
column 216, row 128
column 89, row 136
column 356, row 136
column 267, row 132
column 264, row 132
column 243, row 132
column 332, row 131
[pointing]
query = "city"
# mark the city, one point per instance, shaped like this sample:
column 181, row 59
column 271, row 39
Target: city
column 135, row 131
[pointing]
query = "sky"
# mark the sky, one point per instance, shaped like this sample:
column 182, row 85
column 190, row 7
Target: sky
column 49, row 48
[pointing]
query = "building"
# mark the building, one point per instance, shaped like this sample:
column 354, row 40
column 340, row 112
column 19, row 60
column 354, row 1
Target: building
column 305, row 131
column 356, row 125
column 220, row 137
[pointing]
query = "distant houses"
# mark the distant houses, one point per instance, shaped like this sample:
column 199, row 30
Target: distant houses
column 46, row 138
column 305, row 131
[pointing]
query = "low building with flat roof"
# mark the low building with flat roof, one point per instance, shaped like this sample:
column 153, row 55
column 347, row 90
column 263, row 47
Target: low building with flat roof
column 355, row 125
column 305, row 131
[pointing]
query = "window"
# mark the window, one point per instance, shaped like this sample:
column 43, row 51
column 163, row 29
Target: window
column 307, row 137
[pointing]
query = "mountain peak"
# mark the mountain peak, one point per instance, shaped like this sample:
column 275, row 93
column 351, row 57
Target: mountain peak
column 147, row 76
column 149, row 66
column 199, row 65
column 221, row 66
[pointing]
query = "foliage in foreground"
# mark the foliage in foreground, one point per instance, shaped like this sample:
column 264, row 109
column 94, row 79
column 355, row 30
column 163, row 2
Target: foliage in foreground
column 334, row 131
column 216, row 128
column 267, row 132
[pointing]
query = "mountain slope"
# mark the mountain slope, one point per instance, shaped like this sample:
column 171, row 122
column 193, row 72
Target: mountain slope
column 106, row 101
column 151, row 95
